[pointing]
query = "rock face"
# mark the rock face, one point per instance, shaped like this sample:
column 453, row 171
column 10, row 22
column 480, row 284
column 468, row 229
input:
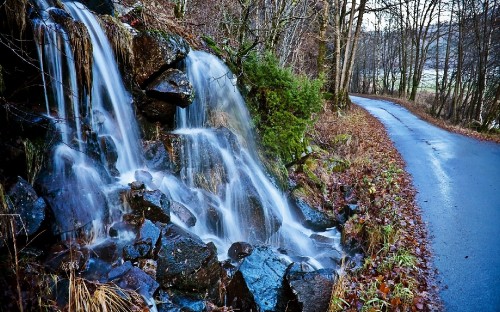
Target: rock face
column 154, row 51
column 171, row 86
column 129, row 277
column 186, row 216
column 312, row 290
column 153, row 205
column 185, row 261
column 156, row 156
column 25, row 202
column 312, row 218
column 258, row 283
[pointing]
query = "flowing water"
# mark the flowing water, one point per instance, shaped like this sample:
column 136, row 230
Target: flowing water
column 220, row 179
column 88, row 124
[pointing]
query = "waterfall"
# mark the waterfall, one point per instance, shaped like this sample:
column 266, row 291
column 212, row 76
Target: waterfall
column 234, row 197
column 99, row 136
column 220, row 179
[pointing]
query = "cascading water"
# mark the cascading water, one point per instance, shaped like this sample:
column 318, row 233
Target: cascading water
column 233, row 197
column 99, row 135
column 220, row 180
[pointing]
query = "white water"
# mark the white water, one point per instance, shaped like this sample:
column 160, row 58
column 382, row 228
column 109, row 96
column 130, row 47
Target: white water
column 220, row 180
column 85, row 182
column 222, row 169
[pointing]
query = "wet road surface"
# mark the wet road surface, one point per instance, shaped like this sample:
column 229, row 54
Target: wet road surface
column 458, row 184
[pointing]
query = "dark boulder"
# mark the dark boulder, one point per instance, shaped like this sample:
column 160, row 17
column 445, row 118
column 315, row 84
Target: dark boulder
column 185, row 261
column 136, row 250
column 184, row 214
column 101, row 6
column 312, row 289
column 312, row 218
column 30, row 208
column 67, row 195
column 153, row 205
column 239, row 250
column 156, row 156
column 348, row 211
column 171, row 86
column 181, row 301
column 137, row 280
column 157, row 110
column 154, row 51
column 258, row 283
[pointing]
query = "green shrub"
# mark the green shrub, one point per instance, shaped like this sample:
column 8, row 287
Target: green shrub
column 282, row 105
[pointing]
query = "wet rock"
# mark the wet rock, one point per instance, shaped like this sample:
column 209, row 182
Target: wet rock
column 101, row 6
column 258, row 283
column 156, row 156
column 261, row 223
column 154, row 51
column 137, row 185
column 120, row 270
column 165, row 303
column 175, row 302
column 153, row 205
column 312, row 290
column 171, row 86
column 312, row 218
column 135, row 251
column 184, row 214
column 109, row 153
column 25, row 202
column 106, row 251
column 73, row 211
column 137, row 280
column 239, row 250
column 348, row 211
column 157, row 110
column 189, row 302
column 149, row 233
column 185, row 261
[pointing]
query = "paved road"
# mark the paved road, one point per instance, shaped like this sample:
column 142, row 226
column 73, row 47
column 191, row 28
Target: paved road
column 458, row 184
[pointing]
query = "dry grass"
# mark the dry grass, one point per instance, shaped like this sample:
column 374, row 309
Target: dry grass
column 387, row 229
column 90, row 296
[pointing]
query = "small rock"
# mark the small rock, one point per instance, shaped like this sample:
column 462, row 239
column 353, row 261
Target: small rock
column 239, row 250
column 30, row 208
column 171, row 86
column 258, row 283
column 312, row 218
column 153, row 205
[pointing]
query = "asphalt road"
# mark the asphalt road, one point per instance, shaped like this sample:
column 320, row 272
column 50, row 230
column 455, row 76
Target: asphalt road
column 458, row 184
